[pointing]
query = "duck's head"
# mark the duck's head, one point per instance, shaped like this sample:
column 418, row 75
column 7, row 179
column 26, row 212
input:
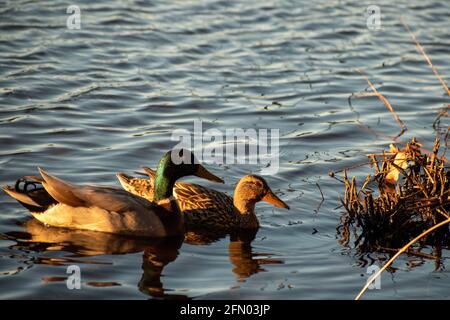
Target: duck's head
column 252, row 189
column 182, row 162
column 174, row 165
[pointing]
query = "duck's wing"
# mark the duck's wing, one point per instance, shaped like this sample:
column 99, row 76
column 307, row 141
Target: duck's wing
column 107, row 198
column 204, row 208
column 29, row 192
column 196, row 197
column 105, row 209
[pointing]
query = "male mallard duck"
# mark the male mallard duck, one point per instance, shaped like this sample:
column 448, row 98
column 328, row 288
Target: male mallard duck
column 59, row 203
column 207, row 208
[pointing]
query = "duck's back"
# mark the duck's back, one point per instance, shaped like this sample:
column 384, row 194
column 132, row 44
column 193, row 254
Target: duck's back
column 204, row 207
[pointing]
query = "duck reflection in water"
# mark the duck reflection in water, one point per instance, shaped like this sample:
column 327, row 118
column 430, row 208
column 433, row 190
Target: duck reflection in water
column 157, row 252
column 245, row 262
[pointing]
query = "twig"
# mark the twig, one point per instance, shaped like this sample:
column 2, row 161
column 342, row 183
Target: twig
column 428, row 153
column 387, row 264
column 423, row 150
column 368, row 128
column 323, row 199
column 411, row 252
column 364, row 94
column 422, row 51
column 386, row 103
column 381, row 154
column 443, row 112
column 358, row 165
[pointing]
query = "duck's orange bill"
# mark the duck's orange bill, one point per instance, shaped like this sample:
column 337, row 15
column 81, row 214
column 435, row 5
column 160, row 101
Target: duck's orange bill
column 270, row 197
column 203, row 173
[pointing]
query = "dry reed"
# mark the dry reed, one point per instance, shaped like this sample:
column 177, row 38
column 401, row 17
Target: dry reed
column 427, row 58
column 408, row 193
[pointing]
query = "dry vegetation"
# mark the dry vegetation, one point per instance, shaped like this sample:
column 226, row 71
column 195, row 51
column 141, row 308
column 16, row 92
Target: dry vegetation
column 406, row 200
column 407, row 194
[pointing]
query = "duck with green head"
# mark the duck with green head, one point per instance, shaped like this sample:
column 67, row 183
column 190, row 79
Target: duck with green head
column 208, row 209
column 59, row 203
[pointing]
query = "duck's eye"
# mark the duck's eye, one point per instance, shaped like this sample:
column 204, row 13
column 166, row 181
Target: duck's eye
column 255, row 185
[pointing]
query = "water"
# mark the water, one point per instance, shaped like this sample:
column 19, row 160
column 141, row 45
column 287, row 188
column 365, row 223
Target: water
column 87, row 103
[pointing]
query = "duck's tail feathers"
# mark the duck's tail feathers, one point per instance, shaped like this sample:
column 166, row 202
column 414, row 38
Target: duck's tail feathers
column 140, row 173
column 124, row 180
column 151, row 173
column 29, row 192
column 62, row 191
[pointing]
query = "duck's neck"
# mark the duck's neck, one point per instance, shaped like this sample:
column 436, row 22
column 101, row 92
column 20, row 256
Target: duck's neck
column 242, row 204
column 245, row 208
column 164, row 183
column 246, row 213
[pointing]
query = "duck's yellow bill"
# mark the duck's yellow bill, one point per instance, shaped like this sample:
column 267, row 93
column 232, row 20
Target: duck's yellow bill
column 270, row 197
column 203, row 173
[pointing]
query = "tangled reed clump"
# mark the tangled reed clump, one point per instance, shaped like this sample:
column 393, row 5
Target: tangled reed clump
column 408, row 194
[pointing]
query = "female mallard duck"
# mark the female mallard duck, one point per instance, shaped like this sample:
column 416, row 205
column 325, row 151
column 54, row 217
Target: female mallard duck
column 207, row 208
column 99, row 208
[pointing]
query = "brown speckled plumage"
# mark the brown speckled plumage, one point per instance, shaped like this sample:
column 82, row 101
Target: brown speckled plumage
column 207, row 208
column 138, row 186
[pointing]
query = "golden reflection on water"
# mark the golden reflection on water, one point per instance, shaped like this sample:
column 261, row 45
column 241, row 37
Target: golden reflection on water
column 156, row 253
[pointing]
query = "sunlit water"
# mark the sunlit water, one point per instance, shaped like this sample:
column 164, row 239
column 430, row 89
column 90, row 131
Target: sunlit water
column 85, row 104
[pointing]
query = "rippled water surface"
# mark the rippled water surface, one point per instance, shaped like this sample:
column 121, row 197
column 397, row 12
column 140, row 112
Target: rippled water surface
column 87, row 103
